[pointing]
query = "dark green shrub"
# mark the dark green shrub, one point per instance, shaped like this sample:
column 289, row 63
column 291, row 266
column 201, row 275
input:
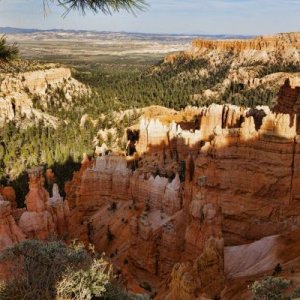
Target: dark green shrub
column 277, row 270
column 46, row 271
column 7, row 52
column 271, row 288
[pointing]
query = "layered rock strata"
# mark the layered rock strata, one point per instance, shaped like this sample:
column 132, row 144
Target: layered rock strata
column 276, row 42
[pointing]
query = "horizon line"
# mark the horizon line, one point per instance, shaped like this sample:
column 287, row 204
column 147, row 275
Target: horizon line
column 132, row 32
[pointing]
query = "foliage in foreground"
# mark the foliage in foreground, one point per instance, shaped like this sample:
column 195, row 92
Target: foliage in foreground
column 104, row 6
column 52, row 270
column 274, row 288
column 7, row 52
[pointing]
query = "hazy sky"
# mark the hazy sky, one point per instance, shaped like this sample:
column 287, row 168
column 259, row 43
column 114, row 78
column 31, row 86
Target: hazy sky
column 165, row 16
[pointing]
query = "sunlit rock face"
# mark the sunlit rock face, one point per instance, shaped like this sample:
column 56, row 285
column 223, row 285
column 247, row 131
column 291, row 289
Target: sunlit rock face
column 267, row 43
column 172, row 202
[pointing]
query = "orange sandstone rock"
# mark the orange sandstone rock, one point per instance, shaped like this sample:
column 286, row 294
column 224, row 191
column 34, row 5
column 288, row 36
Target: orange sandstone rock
column 10, row 233
column 9, row 194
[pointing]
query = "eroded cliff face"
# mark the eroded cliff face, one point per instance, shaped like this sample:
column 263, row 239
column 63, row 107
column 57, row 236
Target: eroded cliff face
column 276, row 42
column 272, row 50
column 20, row 92
column 141, row 222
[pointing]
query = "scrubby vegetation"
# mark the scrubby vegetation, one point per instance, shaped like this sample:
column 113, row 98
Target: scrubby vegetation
column 241, row 95
column 51, row 270
column 274, row 288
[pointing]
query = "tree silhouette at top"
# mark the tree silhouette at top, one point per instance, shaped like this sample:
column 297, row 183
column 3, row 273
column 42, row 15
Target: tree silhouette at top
column 104, row 6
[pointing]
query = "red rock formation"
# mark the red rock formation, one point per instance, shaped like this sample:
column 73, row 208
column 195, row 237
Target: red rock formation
column 44, row 217
column 279, row 41
column 230, row 182
column 9, row 195
column 10, row 233
column 60, row 212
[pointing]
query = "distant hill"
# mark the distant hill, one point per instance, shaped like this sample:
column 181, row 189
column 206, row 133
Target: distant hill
column 13, row 30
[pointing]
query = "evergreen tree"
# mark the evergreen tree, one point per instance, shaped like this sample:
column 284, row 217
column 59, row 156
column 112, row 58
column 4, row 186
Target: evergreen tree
column 104, row 6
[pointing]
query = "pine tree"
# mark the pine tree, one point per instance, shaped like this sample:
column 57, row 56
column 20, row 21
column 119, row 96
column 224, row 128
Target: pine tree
column 104, row 6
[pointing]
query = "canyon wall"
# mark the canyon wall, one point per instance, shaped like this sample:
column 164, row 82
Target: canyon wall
column 276, row 42
column 165, row 214
column 239, row 67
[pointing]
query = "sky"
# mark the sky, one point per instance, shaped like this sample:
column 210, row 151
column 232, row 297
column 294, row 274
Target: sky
column 164, row 16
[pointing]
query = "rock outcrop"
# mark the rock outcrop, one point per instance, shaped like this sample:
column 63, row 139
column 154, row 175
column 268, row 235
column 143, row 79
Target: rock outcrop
column 277, row 42
column 43, row 217
column 9, row 194
column 20, row 92
column 10, row 233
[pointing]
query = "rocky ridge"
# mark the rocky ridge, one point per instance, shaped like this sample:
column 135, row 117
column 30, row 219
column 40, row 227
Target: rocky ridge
column 263, row 62
column 276, row 42
column 22, row 92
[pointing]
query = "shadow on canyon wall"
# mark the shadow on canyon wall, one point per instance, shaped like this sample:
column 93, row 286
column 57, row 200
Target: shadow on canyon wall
column 63, row 172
